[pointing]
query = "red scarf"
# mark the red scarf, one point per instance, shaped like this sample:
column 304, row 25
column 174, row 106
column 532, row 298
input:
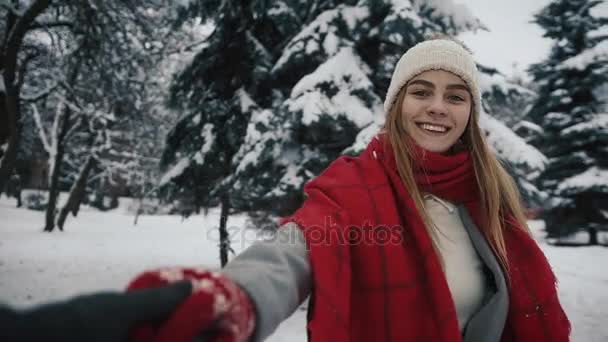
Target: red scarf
column 376, row 274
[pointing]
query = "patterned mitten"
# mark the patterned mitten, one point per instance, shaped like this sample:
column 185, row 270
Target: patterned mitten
column 217, row 310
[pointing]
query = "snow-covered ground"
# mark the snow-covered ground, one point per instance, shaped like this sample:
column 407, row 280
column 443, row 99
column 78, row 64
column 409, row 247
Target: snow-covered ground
column 100, row 251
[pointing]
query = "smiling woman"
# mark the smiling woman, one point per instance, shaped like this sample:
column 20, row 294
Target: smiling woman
column 421, row 237
column 435, row 107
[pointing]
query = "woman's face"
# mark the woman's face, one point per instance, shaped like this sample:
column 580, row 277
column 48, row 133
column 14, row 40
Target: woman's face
column 436, row 109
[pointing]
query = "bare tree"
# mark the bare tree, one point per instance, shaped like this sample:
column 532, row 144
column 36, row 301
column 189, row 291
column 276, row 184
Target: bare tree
column 18, row 21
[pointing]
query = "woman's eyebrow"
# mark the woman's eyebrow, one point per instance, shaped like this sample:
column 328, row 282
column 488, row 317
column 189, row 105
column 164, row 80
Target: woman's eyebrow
column 457, row 86
column 422, row 82
column 432, row 86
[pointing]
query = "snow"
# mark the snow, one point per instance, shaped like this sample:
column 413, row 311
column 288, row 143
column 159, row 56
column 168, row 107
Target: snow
column 291, row 177
column 597, row 53
column 600, row 32
column 365, row 136
column 208, row 138
column 321, row 34
column 600, row 10
column 352, row 16
column 402, row 11
column 593, row 177
column 344, row 72
column 509, row 146
column 196, row 119
column 529, row 126
column 245, row 100
column 254, row 145
column 453, row 13
column 599, row 122
column 499, row 82
column 184, row 3
column 278, row 8
column 103, row 251
column 175, row 171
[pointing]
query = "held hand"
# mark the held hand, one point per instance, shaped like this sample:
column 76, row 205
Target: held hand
column 218, row 310
column 102, row 316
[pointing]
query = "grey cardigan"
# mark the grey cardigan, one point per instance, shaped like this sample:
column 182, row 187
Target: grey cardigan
column 277, row 276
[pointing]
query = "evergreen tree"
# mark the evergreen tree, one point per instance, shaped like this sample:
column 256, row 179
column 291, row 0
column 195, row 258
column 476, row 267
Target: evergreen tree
column 313, row 92
column 332, row 76
column 213, row 93
column 575, row 130
column 506, row 101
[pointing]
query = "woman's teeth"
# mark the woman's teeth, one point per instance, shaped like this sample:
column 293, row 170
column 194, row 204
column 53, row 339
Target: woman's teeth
column 433, row 128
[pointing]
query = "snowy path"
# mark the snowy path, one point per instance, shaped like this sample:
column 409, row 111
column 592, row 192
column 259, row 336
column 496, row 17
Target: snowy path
column 104, row 250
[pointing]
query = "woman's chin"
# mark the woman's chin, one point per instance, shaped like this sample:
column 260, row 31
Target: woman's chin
column 434, row 147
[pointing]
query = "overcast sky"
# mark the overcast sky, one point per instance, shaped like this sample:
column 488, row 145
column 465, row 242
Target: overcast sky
column 512, row 37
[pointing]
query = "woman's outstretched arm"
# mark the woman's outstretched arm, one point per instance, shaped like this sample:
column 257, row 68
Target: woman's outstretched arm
column 277, row 276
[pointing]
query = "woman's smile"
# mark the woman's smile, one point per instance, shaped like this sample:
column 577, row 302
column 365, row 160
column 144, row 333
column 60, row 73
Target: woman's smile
column 433, row 129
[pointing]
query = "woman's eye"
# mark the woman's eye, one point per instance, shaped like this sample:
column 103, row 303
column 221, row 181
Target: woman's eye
column 421, row 93
column 456, row 98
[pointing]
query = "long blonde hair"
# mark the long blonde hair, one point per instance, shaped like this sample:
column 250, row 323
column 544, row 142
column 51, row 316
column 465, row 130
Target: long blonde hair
column 499, row 196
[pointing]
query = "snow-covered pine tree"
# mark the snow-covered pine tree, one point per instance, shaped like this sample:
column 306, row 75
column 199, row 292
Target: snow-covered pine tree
column 506, row 102
column 330, row 67
column 212, row 92
column 332, row 76
column 574, row 121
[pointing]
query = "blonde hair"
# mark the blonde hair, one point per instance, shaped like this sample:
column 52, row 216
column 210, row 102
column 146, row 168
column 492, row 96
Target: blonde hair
column 499, row 196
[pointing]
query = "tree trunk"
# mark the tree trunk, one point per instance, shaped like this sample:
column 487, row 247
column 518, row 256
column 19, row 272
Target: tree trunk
column 592, row 236
column 224, row 237
column 8, row 160
column 54, row 186
column 76, row 193
column 8, row 64
column 51, row 206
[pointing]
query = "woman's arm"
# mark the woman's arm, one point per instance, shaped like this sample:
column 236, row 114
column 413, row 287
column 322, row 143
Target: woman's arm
column 276, row 275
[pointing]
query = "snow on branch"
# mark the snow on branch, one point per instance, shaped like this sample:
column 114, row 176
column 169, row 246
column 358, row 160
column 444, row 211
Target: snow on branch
column 599, row 122
column 509, row 146
column 40, row 94
column 175, row 171
column 41, row 132
column 593, row 179
column 593, row 55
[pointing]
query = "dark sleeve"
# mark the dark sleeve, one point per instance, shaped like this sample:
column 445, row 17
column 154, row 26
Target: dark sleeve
column 102, row 316
column 277, row 276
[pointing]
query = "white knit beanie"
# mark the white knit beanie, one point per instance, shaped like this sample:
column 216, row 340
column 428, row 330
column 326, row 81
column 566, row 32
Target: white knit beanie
column 442, row 54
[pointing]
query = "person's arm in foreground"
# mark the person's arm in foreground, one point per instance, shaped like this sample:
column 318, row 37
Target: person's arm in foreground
column 181, row 304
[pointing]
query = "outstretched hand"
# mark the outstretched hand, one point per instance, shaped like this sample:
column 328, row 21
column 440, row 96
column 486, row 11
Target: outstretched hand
column 218, row 310
column 171, row 305
column 100, row 317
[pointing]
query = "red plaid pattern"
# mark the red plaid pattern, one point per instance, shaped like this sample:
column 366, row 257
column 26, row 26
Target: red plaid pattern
column 395, row 276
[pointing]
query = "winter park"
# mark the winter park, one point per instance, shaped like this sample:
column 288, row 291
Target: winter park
column 148, row 144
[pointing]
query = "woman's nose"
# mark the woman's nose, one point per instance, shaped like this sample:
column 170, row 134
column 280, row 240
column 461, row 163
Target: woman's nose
column 437, row 107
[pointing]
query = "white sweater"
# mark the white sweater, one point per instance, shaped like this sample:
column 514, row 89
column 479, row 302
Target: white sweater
column 462, row 265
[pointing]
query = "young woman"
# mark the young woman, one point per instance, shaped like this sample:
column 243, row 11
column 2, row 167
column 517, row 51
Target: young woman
column 419, row 238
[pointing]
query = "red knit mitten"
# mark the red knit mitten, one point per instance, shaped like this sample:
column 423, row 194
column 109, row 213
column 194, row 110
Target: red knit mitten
column 217, row 310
